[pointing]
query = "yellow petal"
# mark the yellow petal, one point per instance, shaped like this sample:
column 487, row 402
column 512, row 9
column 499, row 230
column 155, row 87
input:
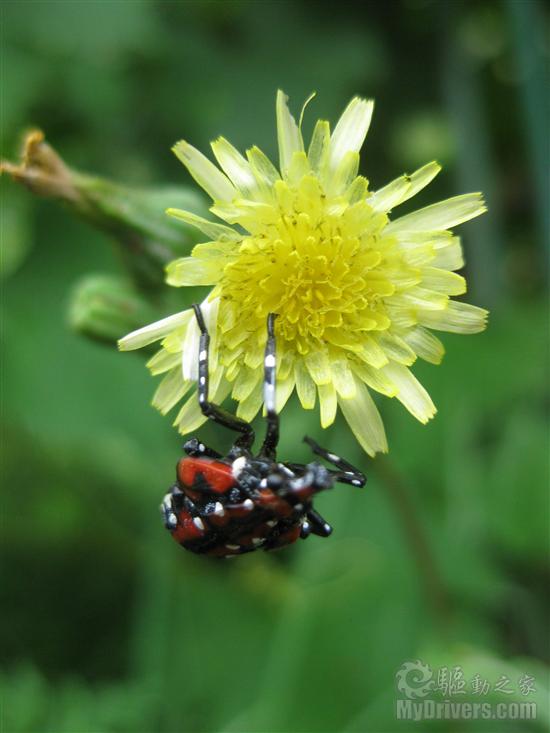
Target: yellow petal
column 344, row 175
column 235, row 166
column 456, row 318
column 403, row 188
column 318, row 366
column 442, row 215
column 418, row 297
column 443, row 281
column 288, row 133
column 410, row 392
column 342, row 378
column 305, row 386
column 210, row 228
column 351, row 130
column 219, row 248
column 384, row 199
column 319, row 148
column 195, row 271
column 163, row 360
column 299, row 167
column 247, row 380
column 283, row 390
column 205, row 173
column 190, row 417
column 171, row 390
column 396, row 349
column 327, row 403
column 264, row 172
column 249, row 408
column 425, row 344
column 154, row 331
column 372, row 353
column 254, row 356
column 421, row 178
column 364, row 420
column 358, row 190
column 449, row 255
column 375, row 379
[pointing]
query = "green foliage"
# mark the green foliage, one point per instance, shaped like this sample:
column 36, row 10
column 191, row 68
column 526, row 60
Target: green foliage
column 107, row 626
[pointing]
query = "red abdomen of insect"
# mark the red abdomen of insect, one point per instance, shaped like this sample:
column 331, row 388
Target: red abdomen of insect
column 210, row 510
column 217, row 475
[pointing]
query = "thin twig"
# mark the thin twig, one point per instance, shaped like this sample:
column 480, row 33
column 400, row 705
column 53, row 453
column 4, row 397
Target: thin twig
column 416, row 538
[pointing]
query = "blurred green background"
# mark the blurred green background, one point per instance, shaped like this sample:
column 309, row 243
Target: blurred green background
column 107, row 626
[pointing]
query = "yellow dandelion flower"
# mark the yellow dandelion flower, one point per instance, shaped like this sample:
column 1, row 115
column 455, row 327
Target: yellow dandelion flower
column 357, row 293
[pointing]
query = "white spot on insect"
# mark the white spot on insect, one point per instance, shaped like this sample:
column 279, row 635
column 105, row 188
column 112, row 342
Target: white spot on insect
column 299, row 507
column 202, row 380
column 218, row 509
column 270, row 360
column 233, row 547
column 172, row 519
column 355, row 482
column 198, row 523
column 238, row 466
column 327, row 527
column 333, row 457
column 271, row 523
column 202, row 356
column 248, row 504
column 263, row 483
column 202, row 447
column 257, row 541
column 285, row 469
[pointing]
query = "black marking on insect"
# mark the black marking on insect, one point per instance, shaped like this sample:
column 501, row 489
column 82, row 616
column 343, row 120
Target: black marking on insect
column 230, row 505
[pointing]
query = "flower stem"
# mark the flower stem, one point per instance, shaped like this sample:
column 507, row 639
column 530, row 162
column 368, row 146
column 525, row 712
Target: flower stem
column 136, row 218
column 435, row 589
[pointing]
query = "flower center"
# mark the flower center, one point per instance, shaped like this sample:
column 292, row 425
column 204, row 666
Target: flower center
column 316, row 261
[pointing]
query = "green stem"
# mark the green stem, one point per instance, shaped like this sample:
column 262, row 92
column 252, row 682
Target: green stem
column 436, row 592
column 147, row 238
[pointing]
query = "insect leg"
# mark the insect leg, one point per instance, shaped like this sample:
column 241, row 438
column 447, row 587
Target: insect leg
column 347, row 474
column 347, row 477
column 319, row 526
column 168, row 514
column 305, row 530
column 214, row 412
column 194, row 447
column 269, row 446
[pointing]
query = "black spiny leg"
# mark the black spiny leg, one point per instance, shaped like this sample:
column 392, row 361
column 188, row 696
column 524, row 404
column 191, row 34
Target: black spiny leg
column 269, row 446
column 318, row 525
column 167, row 511
column 347, row 473
column 305, row 530
column 215, row 413
column 194, row 447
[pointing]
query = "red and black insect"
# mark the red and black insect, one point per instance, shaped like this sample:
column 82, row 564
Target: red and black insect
column 226, row 506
